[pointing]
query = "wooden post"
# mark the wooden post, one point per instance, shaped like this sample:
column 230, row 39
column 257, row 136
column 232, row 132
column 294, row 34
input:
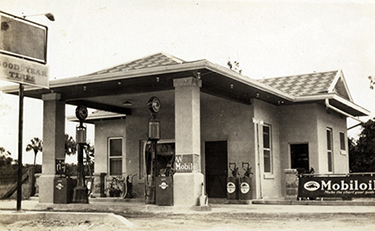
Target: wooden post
column 20, row 129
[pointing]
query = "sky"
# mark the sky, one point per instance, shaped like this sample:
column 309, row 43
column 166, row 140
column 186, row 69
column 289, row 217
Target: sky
column 267, row 38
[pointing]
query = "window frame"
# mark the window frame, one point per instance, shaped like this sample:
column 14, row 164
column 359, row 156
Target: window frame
column 343, row 141
column 270, row 173
column 118, row 157
column 329, row 141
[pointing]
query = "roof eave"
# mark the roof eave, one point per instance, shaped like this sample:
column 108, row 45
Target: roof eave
column 86, row 79
column 321, row 97
column 247, row 80
column 354, row 106
column 201, row 64
column 129, row 74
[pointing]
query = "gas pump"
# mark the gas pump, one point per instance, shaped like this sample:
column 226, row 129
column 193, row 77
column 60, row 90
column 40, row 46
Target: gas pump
column 164, row 175
column 159, row 180
column 151, row 157
column 245, row 182
column 232, row 185
column 80, row 192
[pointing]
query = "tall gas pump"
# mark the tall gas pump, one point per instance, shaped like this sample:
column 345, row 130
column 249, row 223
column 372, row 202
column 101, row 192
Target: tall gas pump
column 151, row 155
column 159, row 161
column 80, row 192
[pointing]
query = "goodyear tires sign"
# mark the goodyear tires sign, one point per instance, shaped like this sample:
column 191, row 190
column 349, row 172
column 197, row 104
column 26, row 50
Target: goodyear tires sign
column 23, row 71
column 344, row 186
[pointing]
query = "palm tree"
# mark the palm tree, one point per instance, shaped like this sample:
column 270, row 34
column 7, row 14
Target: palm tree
column 36, row 145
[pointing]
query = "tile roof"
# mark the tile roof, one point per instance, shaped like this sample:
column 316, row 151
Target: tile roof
column 156, row 60
column 296, row 85
column 302, row 85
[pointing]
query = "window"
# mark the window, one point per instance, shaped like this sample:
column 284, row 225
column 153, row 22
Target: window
column 115, row 156
column 329, row 149
column 342, row 141
column 267, row 149
column 165, row 149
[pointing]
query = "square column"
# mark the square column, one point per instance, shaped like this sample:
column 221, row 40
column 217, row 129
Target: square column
column 188, row 178
column 53, row 143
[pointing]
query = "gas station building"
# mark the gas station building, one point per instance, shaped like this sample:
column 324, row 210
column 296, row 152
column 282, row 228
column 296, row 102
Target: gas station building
column 210, row 117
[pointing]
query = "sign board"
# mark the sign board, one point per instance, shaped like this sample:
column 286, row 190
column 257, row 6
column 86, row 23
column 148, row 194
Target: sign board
column 23, row 38
column 345, row 186
column 23, row 71
column 244, row 187
column 231, row 187
column 186, row 163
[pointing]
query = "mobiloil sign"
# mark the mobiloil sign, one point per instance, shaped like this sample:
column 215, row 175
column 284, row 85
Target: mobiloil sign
column 344, row 186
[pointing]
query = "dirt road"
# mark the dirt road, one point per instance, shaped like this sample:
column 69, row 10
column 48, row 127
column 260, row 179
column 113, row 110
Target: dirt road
column 215, row 221
column 266, row 222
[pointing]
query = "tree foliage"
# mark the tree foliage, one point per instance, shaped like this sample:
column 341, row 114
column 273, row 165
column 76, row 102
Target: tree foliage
column 362, row 151
column 89, row 158
column 234, row 66
column 70, row 145
column 372, row 82
column 5, row 159
column 36, row 145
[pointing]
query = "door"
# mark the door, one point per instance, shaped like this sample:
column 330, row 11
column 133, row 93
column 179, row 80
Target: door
column 216, row 168
column 299, row 154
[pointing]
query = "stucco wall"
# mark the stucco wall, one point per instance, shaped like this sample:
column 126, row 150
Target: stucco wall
column 298, row 126
column 221, row 120
column 270, row 185
column 104, row 130
column 338, row 124
column 307, row 123
column 224, row 120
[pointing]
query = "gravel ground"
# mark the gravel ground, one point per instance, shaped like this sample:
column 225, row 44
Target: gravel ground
column 213, row 221
column 43, row 225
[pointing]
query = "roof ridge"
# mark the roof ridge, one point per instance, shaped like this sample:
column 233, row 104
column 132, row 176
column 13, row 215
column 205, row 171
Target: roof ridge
column 171, row 57
column 174, row 58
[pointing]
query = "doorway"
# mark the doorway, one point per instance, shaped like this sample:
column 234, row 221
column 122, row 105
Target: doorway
column 216, row 158
column 299, row 155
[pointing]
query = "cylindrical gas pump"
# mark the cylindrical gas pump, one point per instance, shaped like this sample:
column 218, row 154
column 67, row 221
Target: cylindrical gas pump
column 151, row 160
column 159, row 180
column 151, row 157
column 232, row 184
column 245, row 182
column 80, row 194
